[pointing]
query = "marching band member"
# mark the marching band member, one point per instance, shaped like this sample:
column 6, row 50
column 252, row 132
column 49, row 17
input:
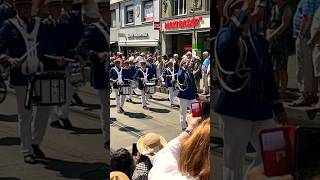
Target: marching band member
column 95, row 45
column 116, row 76
column 144, row 74
column 132, row 72
column 20, row 37
column 7, row 10
column 249, row 99
column 170, row 77
column 187, row 90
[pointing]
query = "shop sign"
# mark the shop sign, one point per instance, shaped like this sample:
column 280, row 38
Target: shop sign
column 138, row 35
column 156, row 25
column 193, row 22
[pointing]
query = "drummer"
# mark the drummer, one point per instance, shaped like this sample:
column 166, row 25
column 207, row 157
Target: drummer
column 30, row 140
column 130, row 73
column 143, row 76
column 170, row 76
column 94, row 45
column 116, row 76
column 187, row 90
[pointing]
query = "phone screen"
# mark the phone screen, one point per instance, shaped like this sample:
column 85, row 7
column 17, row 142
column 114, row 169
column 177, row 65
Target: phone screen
column 273, row 140
column 195, row 106
column 308, row 154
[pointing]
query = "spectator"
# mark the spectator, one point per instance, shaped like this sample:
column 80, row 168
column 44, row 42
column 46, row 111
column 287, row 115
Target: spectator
column 147, row 146
column 205, row 69
column 301, row 31
column 197, row 72
column 121, row 160
column 279, row 35
column 187, row 156
column 117, row 175
column 159, row 68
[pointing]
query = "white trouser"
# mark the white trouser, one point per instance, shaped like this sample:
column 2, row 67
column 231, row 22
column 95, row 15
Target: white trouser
column 120, row 99
column 144, row 98
column 172, row 95
column 184, row 104
column 103, row 95
column 25, row 119
column 237, row 134
column 131, row 91
column 62, row 112
column 31, row 130
column 205, row 83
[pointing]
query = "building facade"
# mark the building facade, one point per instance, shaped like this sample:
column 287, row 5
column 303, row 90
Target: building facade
column 132, row 26
column 185, row 26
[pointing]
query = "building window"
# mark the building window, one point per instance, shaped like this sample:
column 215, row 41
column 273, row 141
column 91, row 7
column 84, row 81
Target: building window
column 179, row 7
column 130, row 14
column 148, row 11
column 113, row 19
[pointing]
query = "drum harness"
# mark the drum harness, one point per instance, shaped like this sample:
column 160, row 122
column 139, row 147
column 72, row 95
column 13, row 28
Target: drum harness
column 173, row 80
column 185, row 83
column 119, row 79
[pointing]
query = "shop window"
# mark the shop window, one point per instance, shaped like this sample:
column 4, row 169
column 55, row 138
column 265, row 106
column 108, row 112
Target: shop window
column 113, row 19
column 130, row 15
column 179, row 7
column 148, row 11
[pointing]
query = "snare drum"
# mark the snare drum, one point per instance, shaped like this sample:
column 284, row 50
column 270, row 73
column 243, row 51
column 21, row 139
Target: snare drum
column 47, row 89
column 150, row 87
column 125, row 89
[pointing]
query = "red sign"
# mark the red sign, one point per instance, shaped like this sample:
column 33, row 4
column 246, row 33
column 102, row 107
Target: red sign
column 187, row 47
column 156, row 25
column 183, row 23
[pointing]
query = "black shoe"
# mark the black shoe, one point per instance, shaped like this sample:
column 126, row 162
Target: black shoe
column 172, row 105
column 77, row 99
column 134, row 93
column 37, row 151
column 56, row 124
column 121, row 109
column 130, row 100
column 29, row 159
column 107, row 145
column 66, row 123
column 145, row 108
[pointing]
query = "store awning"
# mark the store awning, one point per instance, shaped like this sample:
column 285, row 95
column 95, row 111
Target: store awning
column 113, row 42
column 150, row 43
column 115, row 1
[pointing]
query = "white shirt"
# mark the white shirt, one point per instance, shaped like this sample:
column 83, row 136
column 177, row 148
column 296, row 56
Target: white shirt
column 165, row 163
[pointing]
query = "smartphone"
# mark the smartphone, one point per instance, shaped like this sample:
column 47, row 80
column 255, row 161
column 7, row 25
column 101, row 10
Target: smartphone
column 196, row 108
column 307, row 154
column 134, row 149
column 277, row 150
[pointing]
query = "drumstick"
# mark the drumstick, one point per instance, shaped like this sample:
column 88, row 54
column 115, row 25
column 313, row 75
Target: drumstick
column 58, row 58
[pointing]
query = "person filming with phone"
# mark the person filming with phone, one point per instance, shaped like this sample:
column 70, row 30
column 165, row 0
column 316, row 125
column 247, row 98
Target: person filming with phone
column 249, row 99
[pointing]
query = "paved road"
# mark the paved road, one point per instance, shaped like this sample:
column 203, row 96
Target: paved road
column 73, row 154
column 126, row 128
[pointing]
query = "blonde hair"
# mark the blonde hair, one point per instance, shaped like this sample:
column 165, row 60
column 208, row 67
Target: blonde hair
column 195, row 152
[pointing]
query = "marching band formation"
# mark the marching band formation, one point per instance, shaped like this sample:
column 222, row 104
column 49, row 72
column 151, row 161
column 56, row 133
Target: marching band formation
column 45, row 43
column 145, row 73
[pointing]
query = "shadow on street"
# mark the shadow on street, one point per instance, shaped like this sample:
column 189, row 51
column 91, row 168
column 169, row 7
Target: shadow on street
column 89, row 107
column 159, row 110
column 9, row 141
column 81, row 170
column 129, row 129
column 9, row 118
column 135, row 115
column 78, row 130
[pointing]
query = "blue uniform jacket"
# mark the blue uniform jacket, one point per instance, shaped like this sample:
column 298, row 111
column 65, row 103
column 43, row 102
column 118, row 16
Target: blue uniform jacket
column 92, row 43
column 168, row 79
column 139, row 74
column 12, row 42
column 114, row 76
column 191, row 92
column 254, row 102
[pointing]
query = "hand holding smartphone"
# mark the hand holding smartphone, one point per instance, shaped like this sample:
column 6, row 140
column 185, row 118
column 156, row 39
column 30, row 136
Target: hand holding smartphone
column 196, row 109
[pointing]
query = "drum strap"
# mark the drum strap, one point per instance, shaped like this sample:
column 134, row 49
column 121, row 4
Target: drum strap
column 145, row 74
column 102, row 28
column 119, row 74
column 32, row 63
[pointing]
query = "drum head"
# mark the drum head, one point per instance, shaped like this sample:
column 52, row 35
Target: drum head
column 3, row 90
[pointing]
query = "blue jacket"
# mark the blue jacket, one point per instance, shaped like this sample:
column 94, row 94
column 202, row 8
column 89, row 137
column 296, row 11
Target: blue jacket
column 191, row 92
column 114, row 76
column 255, row 102
column 12, row 42
column 92, row 43
column 167, row 79
column 139, row 75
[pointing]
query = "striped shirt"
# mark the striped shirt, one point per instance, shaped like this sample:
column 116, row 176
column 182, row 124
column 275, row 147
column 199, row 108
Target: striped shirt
column 305, row 8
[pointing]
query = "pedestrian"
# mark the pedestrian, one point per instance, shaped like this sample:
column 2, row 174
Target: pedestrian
column 305, row 74
column 148, row 146
column 278, row 35
column 186, row 157
column 95, row 45
column 204, row 70
column 170, row 76
column 314, row 43
column 197, row 71
column 160, row 65
column 131, row 75
column 121, row 160
column 187, row 90
column 246, row 105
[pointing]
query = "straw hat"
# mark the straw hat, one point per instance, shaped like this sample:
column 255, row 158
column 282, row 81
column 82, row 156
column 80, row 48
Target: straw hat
column 150, row 144
column 117, row 175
